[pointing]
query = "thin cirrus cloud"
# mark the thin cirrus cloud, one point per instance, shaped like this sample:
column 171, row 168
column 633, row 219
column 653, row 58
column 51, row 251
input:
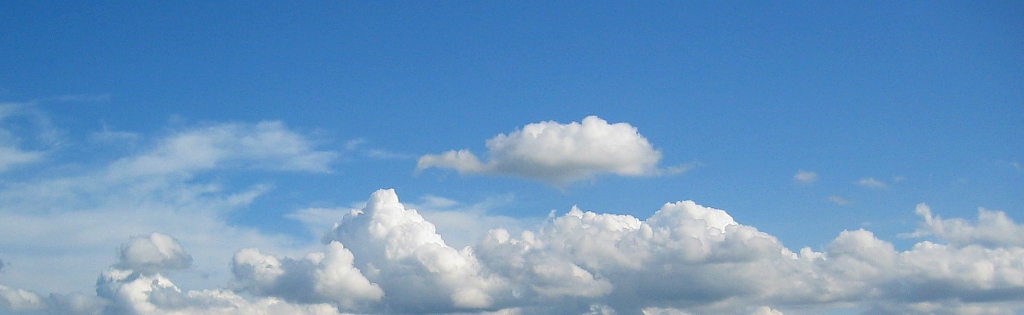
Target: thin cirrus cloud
column 805, row 177
column 871, row 182
column 559, row 154
column 684, row 259
column 11, row 154
column 63, row 222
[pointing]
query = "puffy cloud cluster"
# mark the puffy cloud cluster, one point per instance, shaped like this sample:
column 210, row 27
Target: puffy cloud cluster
column 558, row 153
column 685, row 259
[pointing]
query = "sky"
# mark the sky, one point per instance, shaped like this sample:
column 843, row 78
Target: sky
column 230, row 157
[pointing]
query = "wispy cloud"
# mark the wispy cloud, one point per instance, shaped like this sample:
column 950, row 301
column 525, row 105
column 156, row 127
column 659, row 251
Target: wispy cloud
column 805, row 177
column 839, row 200
column 92, row 209
column 872, row 183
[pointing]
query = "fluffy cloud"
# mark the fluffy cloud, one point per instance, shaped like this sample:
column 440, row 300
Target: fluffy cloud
column 153, row 253
column 403, row 253
column 558, row 153
column 328, row 276
column 684, row 259
column 994, row 228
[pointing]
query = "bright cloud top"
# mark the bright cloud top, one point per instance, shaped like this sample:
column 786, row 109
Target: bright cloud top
column 558, row 153
column 684, row 259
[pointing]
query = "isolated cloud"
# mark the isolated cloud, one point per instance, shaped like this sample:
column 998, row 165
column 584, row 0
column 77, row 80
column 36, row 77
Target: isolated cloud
column 558, row 153
column 805, row 177
column 872, row 183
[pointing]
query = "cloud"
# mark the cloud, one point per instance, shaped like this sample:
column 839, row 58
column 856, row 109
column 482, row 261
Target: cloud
column 872, row 183
column 153, row 253
column 558, row 153
column 323, row 277
column 19, row 116
column 839, row 200
column 993, row 228
column 63, row 221
column 805, row 177
column 684, row 259
column 20, row 300
column 403, row 253
column 265, row 145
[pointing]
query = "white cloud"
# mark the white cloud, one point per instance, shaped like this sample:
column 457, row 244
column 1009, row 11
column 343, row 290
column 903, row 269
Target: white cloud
column 559, row 153
column 805, row 177
column 684, row 259
column 993, row 228
column 266, row 145
column 403, row 253
column 153, row 253
column 327, row 276
column 872, row 183
column 71, row 221
column 20, row 300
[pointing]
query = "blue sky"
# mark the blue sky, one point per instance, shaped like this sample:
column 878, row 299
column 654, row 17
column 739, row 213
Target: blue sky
column 222, row 125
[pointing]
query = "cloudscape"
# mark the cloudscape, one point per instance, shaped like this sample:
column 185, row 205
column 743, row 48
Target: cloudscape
column 519, row 158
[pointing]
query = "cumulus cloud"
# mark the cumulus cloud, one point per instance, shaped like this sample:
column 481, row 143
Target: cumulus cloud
column 559, row 153
column 805, row 177
column 993, row 228
column 684, row 259
column 403, row 253
column 20, row 300
column 153, row 253
column 323, row 277
column 872, row 183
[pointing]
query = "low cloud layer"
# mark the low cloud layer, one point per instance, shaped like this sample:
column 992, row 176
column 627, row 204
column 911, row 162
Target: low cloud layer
column 559, row 153
column 685, row 259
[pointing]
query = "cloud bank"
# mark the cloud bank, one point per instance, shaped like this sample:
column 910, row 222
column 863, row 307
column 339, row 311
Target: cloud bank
column 559, row 153
column 685, row 259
